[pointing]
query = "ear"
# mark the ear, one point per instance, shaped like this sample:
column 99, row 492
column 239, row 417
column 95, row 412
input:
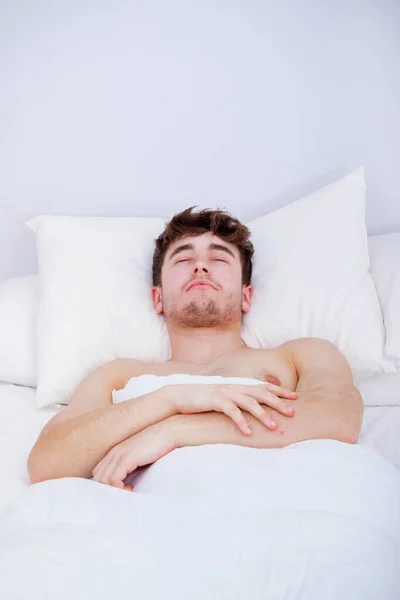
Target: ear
column 157, row 299
column 246, row 299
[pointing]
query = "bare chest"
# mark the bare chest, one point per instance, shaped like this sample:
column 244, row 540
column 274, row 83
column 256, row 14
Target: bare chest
column 265, row 365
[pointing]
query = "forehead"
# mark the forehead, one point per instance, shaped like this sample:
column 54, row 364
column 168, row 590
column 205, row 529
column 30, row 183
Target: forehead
column 202, row 243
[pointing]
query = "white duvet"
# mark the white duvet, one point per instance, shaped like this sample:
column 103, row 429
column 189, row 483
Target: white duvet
column 317, row 520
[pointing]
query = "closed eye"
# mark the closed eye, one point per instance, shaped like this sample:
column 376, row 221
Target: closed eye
column 214, row 259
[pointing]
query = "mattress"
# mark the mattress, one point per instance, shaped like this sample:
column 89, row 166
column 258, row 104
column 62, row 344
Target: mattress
column 21, row 423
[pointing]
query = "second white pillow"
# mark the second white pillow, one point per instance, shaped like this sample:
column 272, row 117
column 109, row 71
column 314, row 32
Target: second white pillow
column 311, row 277
column 384, row 252
column 18, row 313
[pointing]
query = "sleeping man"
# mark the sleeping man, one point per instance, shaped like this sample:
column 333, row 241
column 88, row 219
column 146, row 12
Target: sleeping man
column 301, row 390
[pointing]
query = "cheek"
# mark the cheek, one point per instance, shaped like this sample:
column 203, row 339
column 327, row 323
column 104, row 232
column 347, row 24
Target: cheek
column 172, row 286
column 231, row 281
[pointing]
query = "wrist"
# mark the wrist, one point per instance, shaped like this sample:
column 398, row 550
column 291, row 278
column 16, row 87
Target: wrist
column 167, row 401
column 171, row 430
column 171, row 395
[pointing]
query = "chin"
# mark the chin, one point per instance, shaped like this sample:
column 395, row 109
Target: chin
column 203, row 312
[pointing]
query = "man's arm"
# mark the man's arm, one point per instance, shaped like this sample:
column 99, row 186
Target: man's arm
column 78, row 436
column 85, row 432
column 328, row 405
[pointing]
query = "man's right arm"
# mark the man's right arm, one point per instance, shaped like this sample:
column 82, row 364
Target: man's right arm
column 80, row 435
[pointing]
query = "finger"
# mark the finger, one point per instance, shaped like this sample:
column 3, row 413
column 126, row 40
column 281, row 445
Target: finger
column 122, row 468
column 268, row 387
column 109, row 470
column 280, row 391
column 101, row 466
column 97, row 468
column 265, row 397
column 128, row 487
column 233, row 412
column 253, row 407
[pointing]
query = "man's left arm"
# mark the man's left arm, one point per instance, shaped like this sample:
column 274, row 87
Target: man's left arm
column 328, row 405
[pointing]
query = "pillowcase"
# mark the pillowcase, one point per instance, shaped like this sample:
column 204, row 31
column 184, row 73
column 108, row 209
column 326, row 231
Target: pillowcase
column 380, row 390
column 384, row 251
column 311, row 277
column 95, row 302
column 18, row 309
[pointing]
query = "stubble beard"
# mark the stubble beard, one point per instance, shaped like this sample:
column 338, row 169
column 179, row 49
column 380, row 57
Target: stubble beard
column 204, row 313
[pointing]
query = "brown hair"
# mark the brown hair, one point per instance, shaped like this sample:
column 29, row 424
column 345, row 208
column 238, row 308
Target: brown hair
column 218, row 222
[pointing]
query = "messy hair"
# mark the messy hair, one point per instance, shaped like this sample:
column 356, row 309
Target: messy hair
column 192, row 223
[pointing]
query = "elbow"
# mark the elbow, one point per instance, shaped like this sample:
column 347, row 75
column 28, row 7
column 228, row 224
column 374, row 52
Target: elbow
column 32, row 468
column 350, row 437
column 344, row 433
column 36, row 468
column 348, row 429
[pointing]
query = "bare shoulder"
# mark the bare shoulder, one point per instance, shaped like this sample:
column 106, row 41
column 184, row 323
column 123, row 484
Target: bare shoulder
column 123, row 369
column 95, row 390
column 116, row 373
column 309, row 345
column 315, row 353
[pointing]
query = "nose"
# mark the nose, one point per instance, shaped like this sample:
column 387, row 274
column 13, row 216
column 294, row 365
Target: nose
column 200, row 267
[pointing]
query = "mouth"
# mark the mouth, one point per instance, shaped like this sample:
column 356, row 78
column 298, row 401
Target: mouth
column 200, row 284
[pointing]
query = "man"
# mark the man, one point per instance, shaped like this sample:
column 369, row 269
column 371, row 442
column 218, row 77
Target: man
column 202, row 269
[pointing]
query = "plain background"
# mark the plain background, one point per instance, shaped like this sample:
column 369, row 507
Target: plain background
column 144, row 108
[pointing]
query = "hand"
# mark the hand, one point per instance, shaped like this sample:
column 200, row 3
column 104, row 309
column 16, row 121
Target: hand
column 230, row 398
column 144, row 448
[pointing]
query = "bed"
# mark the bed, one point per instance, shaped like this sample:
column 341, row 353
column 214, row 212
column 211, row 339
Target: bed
column 315, row 519
column 186, row 545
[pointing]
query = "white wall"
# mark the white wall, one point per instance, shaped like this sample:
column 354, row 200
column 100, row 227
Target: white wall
column 144, row 108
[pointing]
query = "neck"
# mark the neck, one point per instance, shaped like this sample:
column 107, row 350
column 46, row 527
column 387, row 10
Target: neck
column 202, row 345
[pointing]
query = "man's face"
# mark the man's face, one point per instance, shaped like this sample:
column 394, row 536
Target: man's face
column 201, row 283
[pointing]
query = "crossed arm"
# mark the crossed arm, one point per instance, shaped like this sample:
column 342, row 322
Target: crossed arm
column 328, row 406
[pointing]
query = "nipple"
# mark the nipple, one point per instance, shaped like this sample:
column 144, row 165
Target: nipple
column 272, row 379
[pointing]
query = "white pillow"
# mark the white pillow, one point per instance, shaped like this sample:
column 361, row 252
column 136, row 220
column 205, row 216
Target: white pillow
column 311, row 277
column 380, row 390
column 384, row 251
column 18, row 308
column 95, row 301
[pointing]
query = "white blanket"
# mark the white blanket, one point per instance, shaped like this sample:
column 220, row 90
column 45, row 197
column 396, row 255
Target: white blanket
column 316, row 520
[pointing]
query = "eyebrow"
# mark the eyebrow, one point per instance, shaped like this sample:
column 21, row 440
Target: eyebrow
column 211, row 246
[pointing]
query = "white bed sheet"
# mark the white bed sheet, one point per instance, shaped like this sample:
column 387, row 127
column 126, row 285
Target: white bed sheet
column 21, row 423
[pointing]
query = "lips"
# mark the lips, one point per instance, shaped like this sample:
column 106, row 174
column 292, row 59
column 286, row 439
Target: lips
column 200, row 282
